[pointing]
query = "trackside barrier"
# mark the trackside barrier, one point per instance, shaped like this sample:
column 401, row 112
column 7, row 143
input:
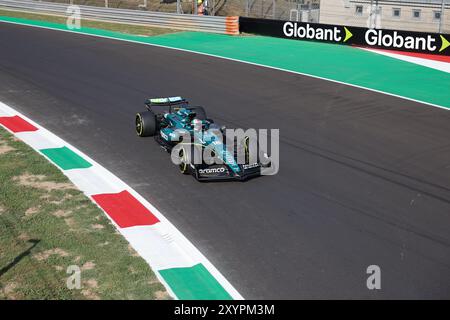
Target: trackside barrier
column 428, row 43
column 224, row 25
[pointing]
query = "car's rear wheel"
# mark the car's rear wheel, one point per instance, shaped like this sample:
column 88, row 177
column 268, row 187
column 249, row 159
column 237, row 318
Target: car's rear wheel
column 145, row 124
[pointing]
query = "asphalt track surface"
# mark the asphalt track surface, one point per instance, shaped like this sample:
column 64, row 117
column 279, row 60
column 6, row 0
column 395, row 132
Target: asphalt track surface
column 364, row 177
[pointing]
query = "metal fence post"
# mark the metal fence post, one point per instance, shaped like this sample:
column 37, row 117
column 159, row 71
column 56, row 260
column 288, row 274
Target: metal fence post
column 262, row 9
column 273, row 9
column 309, row 11
column 371, row 16
column 377, row 16
column 441, row 20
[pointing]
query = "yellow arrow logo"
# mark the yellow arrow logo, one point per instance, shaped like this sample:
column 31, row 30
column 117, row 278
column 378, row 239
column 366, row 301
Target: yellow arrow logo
column 445, row 44
column 348, row 34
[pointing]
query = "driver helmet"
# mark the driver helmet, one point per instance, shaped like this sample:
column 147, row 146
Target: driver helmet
column 197, row 123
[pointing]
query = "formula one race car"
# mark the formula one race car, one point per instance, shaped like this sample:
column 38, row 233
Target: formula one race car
column 185, row 131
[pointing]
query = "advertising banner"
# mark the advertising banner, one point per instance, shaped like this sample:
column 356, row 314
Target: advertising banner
column 429, row 43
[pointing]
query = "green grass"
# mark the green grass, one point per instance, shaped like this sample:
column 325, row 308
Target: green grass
column 117, row 27
column 40, row 209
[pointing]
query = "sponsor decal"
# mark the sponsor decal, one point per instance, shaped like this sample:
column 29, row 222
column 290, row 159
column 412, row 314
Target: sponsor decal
column 165, row 100
column 250, row 166
column 433, row 43
column 377, row 37
column 298, row 30
column 212, row 170
column 406, row 41
column 444, row 43
column 164, row 136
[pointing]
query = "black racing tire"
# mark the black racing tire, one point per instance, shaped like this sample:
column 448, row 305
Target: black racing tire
column 146, row 124
column 185, row 160
column 243, row 146
column 200, row 113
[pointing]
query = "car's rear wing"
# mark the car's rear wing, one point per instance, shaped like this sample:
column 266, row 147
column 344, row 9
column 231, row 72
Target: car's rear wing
column 165, row 102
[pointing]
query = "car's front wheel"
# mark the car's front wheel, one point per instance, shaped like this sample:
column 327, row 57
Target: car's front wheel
column 184, row 155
